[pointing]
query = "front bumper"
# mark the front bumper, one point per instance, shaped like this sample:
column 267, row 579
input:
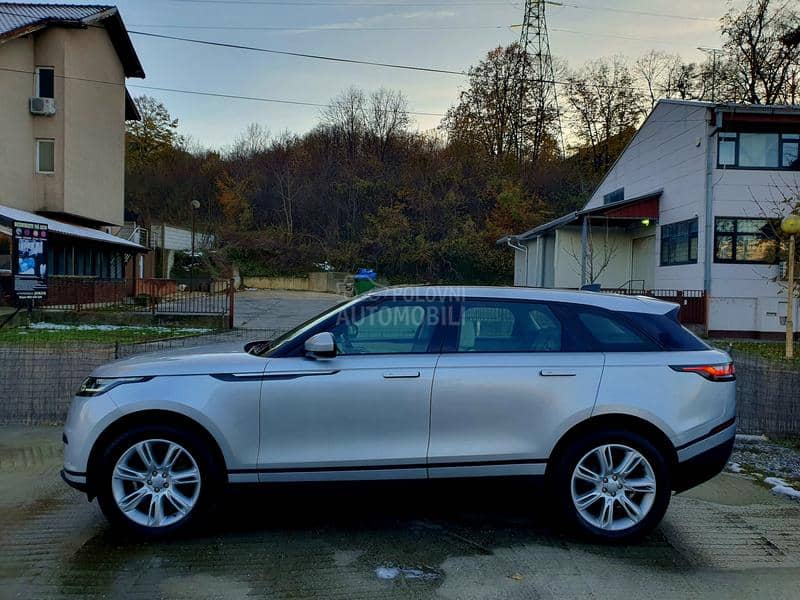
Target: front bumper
column 75, row 480
column 702, row 467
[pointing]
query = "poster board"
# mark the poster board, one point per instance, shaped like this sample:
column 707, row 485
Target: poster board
column 29, row 260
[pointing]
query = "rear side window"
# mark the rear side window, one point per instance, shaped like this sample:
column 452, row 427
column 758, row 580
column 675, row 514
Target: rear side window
column 667, row 331
column 608, row 333
column 490, row 326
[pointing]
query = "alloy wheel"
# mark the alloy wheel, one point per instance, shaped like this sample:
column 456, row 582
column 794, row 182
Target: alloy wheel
column 613, row 487
column 156, row 483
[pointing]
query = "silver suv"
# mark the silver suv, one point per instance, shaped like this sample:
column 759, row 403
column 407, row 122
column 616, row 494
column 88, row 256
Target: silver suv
column 606, row 396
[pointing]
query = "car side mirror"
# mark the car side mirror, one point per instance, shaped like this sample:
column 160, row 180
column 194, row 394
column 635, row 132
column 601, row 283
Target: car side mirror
column 321, row 345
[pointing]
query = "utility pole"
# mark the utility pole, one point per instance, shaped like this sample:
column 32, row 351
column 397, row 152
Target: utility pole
column 714, row 52
column 534, row 41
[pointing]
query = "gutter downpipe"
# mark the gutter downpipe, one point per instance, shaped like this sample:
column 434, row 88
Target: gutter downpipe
column 513, row 243
column 709, row 213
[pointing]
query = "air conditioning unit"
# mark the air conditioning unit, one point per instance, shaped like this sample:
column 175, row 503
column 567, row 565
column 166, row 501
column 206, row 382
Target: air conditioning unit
column 43, row 106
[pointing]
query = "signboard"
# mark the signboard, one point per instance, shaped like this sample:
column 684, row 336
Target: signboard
column 29, row 261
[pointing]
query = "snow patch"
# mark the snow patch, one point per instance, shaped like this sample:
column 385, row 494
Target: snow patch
column 782, row 488
column 390, row 573
column 42, row 326
column 734, row 467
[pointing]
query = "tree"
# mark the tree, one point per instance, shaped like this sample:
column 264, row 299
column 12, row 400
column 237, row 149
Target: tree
column 151, row 137
column 487, row 113
column 763, row 44
column 604, row 106
column 345, row 119
column 386, row 118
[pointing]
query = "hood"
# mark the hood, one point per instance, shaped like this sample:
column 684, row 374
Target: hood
column 197, row 360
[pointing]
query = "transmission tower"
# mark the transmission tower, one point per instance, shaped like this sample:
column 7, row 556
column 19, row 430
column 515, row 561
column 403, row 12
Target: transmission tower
column 534, row 41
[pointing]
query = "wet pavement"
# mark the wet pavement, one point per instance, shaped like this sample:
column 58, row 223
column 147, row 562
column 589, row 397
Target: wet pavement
column 490, row 539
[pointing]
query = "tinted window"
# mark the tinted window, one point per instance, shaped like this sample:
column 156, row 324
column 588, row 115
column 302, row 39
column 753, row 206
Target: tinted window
column 488, row 326
column 667, row 331
column 394, row 327
column 611, row 334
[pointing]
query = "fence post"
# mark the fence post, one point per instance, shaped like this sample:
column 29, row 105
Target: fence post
column 231, row 302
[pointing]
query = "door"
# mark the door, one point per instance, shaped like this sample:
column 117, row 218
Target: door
column 508, row 384
column 643, row 262
column 364, row 414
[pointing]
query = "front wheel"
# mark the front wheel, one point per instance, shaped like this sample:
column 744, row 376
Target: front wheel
column 613, row 486
column 156, row 480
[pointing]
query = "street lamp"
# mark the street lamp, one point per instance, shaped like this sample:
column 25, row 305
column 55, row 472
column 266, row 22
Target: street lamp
column 790, row 226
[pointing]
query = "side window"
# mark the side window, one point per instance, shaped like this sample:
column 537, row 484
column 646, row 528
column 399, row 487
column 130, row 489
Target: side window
column 394, row 327
column 488, row 326
column 613, row 335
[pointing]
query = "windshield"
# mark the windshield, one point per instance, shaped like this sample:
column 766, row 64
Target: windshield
column 268, row 348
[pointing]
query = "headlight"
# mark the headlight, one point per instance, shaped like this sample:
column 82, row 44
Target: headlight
column 94, row 386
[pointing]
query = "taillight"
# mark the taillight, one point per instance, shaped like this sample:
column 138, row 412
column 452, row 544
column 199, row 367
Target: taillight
column 726, row 372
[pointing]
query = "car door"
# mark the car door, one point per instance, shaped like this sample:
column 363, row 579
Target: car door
column 510, row 381
column 363, row 414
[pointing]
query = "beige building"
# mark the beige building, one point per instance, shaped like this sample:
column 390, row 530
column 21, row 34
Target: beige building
column 62, row 89
column 63, row 107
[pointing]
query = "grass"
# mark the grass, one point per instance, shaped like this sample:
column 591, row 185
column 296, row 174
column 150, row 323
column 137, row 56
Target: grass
column 103, row 334
column 773, row 351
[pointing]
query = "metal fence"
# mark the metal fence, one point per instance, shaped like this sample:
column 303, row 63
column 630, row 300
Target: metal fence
column 767, row 396
column 692, row 302
column 39, row 378
column 156, row 296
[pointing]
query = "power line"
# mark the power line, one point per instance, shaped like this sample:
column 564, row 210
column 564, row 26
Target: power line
column 209, row 94
column 299, row 54
column 321, row 28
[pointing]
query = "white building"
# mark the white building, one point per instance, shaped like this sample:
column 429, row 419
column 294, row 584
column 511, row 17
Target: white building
column 688, row 211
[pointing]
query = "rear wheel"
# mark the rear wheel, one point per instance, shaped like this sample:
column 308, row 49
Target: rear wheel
column 156, row 480
column 613, row 485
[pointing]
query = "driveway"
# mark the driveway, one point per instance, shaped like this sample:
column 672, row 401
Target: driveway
column 728, row 538
column 279, row 310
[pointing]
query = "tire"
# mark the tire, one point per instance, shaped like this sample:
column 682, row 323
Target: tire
column 635, row 507
column 153, row 509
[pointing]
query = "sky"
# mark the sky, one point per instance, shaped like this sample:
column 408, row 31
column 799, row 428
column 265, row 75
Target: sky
column 444, row 34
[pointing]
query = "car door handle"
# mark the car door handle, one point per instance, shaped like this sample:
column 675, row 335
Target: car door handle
column 556, row 373
column 400, row 374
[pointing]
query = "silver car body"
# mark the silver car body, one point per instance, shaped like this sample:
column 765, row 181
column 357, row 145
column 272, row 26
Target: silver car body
column 381, row 416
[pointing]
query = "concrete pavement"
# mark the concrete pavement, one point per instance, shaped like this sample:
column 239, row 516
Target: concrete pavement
column 727, row 539
column 279, row 310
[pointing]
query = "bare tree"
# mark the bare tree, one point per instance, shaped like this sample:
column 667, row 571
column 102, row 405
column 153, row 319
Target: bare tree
column 386, row 117
column 763, row 42
column 599, row 256
column 345, row 117
column 603, row 105
column 251, row 142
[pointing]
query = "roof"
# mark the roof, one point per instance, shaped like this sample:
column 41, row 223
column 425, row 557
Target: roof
column 618, row 302
column 18, row 19
column 87, row 233
column 570, row 218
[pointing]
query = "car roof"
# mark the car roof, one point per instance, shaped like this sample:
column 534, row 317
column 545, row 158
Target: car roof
column 616, row 302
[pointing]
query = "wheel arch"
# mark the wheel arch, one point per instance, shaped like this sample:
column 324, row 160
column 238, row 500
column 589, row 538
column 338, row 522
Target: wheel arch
column 615, row 421
column 143, row 418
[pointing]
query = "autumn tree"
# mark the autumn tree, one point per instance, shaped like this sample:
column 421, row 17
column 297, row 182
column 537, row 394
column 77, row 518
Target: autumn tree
column 155, row 134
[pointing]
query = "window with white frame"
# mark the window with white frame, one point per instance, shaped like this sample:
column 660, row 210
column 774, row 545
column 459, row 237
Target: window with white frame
column 45, row 82
column 45, row 156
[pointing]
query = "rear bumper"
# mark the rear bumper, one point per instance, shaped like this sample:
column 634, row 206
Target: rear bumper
column 703, row 466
